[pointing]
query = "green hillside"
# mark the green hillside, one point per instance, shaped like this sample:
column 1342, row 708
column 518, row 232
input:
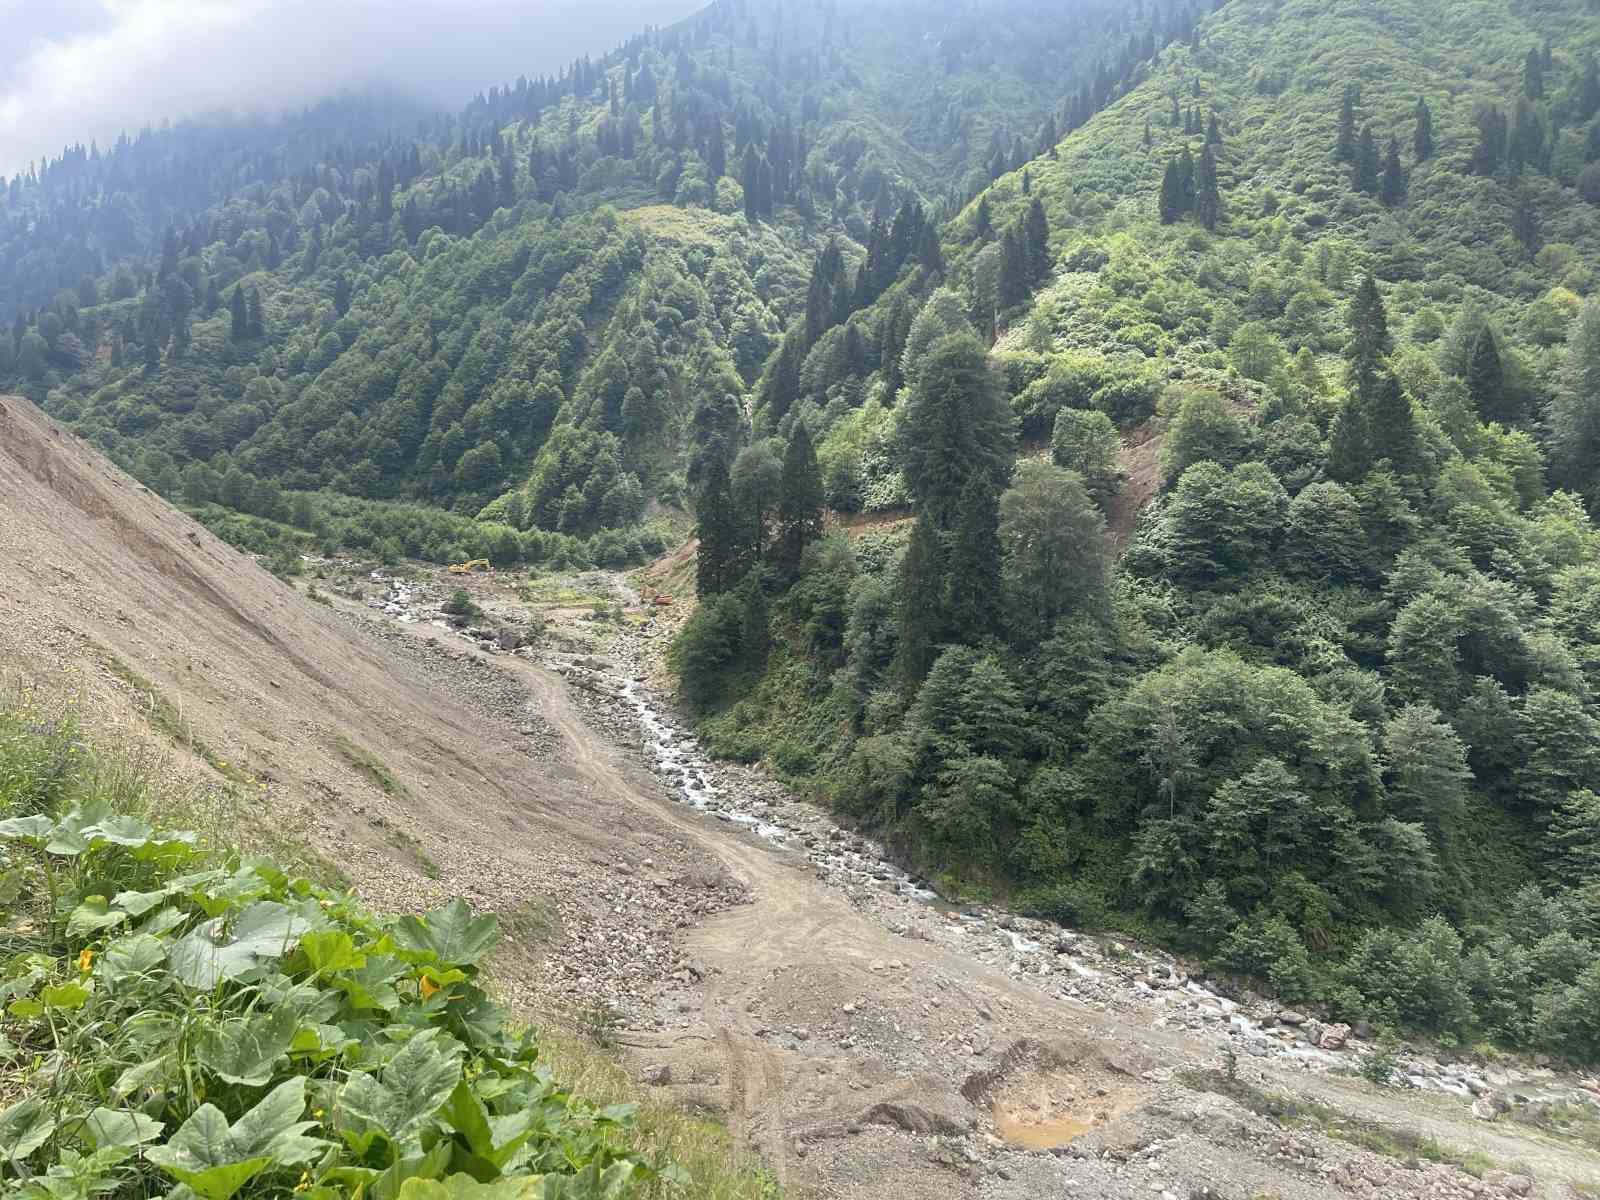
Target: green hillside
column 1329, row 719
column 333, row 320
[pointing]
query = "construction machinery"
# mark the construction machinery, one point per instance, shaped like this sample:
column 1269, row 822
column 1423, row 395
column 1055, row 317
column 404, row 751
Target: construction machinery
column 467, row 568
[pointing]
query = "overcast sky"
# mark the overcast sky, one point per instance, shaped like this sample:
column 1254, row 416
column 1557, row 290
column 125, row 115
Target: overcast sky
column 76, row 70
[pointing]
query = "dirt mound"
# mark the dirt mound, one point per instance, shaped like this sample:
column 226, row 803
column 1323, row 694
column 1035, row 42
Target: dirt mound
column 309, row 733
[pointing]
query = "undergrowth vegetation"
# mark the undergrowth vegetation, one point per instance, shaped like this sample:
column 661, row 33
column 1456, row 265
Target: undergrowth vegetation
column 193, row 1023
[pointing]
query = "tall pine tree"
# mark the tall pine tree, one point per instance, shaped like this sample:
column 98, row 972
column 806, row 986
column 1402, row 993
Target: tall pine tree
column 1486, row 381
column 918, row 610
column 1208, row 199
column 1170, row 205
column 717, row 527
column 972, row 574
column 1422, row 140
column 1392, row 190
column 1364, row 175
column 1344, row 148
column 799, row 503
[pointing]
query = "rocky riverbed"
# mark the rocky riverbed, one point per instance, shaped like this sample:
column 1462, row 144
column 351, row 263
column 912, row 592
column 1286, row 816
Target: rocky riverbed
column 1103, row 973
column 616, row 688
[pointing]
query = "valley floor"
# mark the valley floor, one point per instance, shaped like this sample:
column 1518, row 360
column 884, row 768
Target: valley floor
column 864, row 1041
column 872, row 1044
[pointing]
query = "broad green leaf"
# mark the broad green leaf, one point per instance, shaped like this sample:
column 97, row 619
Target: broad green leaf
column 307, row 1001
column 136, row 904
column 163, row 921
column 66, row 836
column 451, row 934
column 25, row 1010
column 331, row 950
column 93, row 915
column 465, row 1113
column 592, row 1183
column 273, row 1126
column 216, row 1160
column 464, row 1187
column 130, row 957
column 476, row 1019
column 415, row 1083
column 120, row 830
column 24, row 1127
column 65, row 996
column 210, row 1183
column 210, row 953
column 111, row 1127
column 418, row 1167
column 371, row 986
column 139, row 1076
column 35, row 829
column 244, row 1051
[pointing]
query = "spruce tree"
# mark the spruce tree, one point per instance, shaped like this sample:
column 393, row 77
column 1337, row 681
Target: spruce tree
column 1391, row 427
column 1344, row 149
column 918, row 606
column 1208, row 199
column 1370, row 341
column 983, row 223
column 1186, row 182
column 1492, row 135
column 1525, row 221
column 1213, row 132
column 1171, row 201
column 1574, row 837
column 972, row 564
column 239, row 328
column 1533, row 75
column 1575, row 408
column 717, row 527
column 1349, row 443
column 1364, row 175
column 750, row 176
column 956, row 424
column 1589, row 89
column 799, row 503
column 1013, row 270
column 1486, row 379
column 780, row 387
column 1036, row 243
column 1422, row 141
column 1393, row 188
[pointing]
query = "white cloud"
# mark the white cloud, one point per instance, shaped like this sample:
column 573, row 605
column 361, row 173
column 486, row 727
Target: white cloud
column 87, row 70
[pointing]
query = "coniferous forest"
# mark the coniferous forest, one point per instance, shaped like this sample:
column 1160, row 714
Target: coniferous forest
column 1144, row 456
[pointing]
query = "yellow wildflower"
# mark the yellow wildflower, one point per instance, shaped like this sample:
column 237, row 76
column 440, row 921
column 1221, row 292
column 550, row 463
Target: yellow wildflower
column 427, row 987
column 86, row 961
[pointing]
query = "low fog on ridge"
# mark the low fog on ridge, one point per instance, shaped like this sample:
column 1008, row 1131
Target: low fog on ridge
column 81, row 70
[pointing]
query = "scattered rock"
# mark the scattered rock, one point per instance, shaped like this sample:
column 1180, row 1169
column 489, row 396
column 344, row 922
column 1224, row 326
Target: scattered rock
column 1334, row 1037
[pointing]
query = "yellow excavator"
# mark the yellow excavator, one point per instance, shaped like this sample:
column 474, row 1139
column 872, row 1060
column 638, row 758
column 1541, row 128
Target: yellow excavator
column 467, row 568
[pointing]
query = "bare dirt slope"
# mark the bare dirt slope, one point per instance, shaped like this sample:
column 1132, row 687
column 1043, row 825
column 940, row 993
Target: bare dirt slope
column 864, row 1056
column 411, row 768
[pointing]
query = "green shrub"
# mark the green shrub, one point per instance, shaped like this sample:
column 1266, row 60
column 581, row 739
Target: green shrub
column 208, row 1022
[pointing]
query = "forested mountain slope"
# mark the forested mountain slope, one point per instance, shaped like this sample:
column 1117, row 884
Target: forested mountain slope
column 551, row 289
column 1330, row 720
